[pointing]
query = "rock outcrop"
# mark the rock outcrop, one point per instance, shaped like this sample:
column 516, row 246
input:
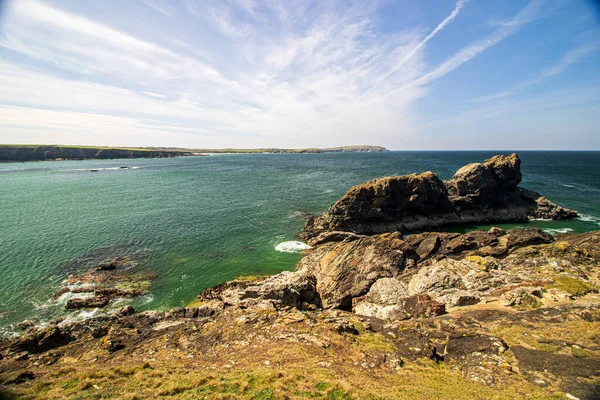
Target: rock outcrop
column 454, row 269
column 104, row 282
column 485, row 192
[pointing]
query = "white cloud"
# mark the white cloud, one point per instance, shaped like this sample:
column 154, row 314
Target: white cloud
column 293, row 81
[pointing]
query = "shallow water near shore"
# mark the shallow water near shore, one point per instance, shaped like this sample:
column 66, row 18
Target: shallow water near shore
column 200, row 221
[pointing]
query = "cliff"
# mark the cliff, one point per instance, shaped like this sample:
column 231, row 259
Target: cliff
column 485, row 192
column 24, row 153
column 46, row 153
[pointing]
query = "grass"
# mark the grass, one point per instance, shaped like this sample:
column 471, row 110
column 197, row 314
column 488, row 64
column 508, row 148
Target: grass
column 551, row 337
column 573, row 286
column 172, row 381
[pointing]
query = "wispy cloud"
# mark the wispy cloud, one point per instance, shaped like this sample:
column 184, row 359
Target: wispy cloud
column 571, row 57
column 459, row 5
column 241, row 73
column 158, row 8
column 479, row 46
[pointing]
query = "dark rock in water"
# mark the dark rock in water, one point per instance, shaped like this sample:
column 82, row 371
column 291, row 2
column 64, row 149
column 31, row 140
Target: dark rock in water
column 105, row 281
column 478, row 193
column 388, row 204
column 92, row 302
column 102, row 297
column 125, row 311
column 26, row 324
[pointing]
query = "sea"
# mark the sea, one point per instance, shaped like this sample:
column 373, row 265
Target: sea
column 200, row 221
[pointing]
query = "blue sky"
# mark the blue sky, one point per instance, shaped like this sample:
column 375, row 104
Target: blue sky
column 410, row 74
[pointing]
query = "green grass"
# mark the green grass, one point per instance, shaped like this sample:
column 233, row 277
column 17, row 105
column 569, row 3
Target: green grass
column 574, row 286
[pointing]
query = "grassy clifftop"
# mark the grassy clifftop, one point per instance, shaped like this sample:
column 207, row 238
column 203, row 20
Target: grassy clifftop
column 22, row 153
column 30, row 152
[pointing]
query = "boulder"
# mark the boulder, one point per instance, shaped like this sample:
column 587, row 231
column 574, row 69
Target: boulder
column 419, row 306
column 295, row 289
column 345, row 270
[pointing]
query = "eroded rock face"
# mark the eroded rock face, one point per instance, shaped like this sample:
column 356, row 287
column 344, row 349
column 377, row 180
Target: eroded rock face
column 347, row 269
column 387, row 267
column 478, row 193
column 397, row 203
column 286, row 289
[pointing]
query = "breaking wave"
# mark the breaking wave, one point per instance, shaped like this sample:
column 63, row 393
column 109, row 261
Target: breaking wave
column 556, row 231
column 293, row 246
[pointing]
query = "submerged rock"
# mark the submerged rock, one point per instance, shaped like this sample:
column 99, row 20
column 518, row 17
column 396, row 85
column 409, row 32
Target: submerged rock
column 485, row 192
column 105, row 281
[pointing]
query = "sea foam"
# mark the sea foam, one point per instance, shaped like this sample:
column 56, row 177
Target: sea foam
column 293, row 246
column 556, row 231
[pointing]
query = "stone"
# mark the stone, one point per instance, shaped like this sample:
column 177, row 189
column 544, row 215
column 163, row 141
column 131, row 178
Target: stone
column 387, row 291
column 41, row 340
column 26, row 324
column 344, row 270
column 126, row 311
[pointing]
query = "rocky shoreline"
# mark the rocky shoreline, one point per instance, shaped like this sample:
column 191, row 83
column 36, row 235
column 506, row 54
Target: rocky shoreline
column 380, row 306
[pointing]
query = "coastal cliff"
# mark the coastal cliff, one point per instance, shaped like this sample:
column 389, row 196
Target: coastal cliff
column 46, row 153
column 485, row 192
column 23, row 153
column 367, row 312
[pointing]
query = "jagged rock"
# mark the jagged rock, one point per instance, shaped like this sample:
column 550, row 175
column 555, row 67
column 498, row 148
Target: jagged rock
column 589, row 242
column 295, row 289
column 41, row 340
column 524, row 296
column 454, row 269
column 387, row 291
column 26, row 324
column 345, row 270
column 286, row 288
column 398, row 203
column 478, row 193
column 334, row 236
column 480, row 356
column 125, row 311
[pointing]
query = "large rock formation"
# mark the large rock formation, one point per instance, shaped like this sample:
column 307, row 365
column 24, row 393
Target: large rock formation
column 485, row 192
column 383, row 269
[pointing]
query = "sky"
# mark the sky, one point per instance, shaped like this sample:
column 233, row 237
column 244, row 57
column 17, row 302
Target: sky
column 407, row 74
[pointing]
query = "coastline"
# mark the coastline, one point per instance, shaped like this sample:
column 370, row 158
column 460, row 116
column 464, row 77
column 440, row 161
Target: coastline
column 27, row 153
column 486, row 313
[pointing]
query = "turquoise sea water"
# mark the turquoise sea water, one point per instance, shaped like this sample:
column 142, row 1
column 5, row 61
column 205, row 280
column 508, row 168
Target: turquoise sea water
column 200, row 221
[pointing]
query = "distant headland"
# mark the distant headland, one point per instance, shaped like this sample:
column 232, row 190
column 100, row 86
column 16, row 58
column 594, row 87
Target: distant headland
column 22, row 153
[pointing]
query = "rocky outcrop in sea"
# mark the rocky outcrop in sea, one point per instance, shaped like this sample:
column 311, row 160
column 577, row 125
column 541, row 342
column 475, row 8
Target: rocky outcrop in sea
column 485, row 192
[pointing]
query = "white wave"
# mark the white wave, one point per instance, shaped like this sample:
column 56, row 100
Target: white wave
column 541, row 219
column 569, row 186
column 587, row 218
column 292, row 246
column 556, row 231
